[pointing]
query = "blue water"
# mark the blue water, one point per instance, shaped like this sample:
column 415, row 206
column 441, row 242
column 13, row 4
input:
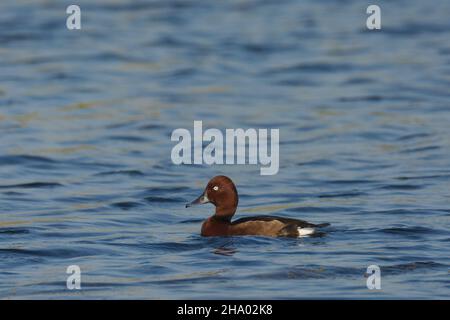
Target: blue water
column 85, row 171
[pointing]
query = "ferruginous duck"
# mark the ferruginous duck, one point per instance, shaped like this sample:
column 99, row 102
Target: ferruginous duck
column 222, row 193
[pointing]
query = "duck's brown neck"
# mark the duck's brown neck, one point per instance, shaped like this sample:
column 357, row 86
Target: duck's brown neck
column 224, row 214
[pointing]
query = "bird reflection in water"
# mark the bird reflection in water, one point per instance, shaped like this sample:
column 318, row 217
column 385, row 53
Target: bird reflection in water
column 226, row 249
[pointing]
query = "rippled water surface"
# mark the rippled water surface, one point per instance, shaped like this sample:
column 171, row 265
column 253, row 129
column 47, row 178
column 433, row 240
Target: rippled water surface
column 86, row 176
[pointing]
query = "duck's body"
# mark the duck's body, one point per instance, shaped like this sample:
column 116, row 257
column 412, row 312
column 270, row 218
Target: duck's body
column 222, row 193
column 259, row 226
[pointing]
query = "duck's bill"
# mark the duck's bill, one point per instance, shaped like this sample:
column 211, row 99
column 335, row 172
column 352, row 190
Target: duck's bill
column 200, row 200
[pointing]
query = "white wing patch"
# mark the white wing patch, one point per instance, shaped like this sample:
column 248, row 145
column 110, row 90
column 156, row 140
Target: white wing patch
column 304, row 232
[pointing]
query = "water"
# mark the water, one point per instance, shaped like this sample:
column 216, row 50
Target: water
column 86, row 176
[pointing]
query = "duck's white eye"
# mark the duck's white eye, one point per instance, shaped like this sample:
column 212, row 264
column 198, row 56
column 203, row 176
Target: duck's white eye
column 215, row 188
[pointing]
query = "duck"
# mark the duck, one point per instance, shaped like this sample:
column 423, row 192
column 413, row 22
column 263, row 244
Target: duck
column 222, row 193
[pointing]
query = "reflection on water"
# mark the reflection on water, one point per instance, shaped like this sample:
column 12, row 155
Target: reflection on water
column 85, row 170
column 227, row 249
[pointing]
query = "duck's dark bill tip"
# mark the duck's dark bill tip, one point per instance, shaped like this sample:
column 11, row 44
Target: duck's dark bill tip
column 200, row 200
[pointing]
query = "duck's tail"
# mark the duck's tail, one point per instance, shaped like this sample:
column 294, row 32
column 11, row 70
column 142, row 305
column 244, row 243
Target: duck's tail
column 322, row 225
column 311, row 231
column 304, row 232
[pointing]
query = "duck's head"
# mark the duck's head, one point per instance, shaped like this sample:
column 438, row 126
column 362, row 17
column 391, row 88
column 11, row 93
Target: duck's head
column 221, row 192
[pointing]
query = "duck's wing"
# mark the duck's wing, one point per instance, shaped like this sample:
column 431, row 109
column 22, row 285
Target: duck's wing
column 286, row 221
column 273, row 226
